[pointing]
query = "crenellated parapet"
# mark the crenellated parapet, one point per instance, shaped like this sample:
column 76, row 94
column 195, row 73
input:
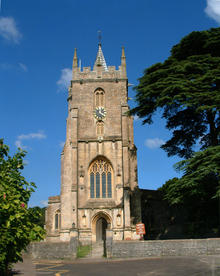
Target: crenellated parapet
column 54, row 199
column 100, row 69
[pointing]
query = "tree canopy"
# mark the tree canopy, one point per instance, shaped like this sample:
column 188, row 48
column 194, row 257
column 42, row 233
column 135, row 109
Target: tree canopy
column 197, row 192
column 17, row 223
column 186, row 87
column 200, row 180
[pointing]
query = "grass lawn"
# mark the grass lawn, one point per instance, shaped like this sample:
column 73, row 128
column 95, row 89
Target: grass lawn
column 83, row 251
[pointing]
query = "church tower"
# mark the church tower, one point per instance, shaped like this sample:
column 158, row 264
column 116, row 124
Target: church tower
column 99, row 187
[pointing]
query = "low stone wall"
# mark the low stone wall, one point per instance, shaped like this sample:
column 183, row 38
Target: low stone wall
column 53, row 250
column 129, row 249
column 136, row 249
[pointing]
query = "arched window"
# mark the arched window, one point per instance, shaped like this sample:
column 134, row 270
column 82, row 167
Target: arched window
column 57, row 220
column 101, row 175
column 100, row 128
column 99, row 97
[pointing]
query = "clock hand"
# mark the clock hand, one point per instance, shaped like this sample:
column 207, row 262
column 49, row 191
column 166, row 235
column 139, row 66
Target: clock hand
column 102, row 112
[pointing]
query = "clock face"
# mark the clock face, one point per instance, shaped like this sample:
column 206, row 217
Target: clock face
column 99, row 113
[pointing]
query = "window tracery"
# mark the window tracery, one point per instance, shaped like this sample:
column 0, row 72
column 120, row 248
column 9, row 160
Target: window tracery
column 101, row 175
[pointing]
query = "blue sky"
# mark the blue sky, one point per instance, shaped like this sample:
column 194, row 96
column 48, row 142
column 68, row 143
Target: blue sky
column 37, row 40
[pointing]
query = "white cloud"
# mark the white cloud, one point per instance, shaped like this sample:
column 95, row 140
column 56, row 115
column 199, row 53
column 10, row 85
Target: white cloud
column 8, row 30
column 44, row 203
column 154, row 143
column 65, row 78
column 23, row 66
column 39, row 135
column 213, row 9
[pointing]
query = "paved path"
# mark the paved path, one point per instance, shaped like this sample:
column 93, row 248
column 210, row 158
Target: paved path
column 178, row 266
column 25, row 268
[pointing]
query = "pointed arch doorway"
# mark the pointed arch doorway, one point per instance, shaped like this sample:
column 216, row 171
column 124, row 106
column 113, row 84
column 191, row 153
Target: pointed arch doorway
column 101, row 221
column 101, row 226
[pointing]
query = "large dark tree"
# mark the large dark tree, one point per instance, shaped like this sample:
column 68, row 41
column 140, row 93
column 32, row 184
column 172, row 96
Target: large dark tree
column 200, row 180
column 197, row 192
column 186, row 87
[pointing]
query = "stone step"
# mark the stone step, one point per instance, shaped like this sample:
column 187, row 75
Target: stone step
column 97, row 250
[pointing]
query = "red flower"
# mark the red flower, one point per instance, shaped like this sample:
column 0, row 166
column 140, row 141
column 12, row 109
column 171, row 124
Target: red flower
column 22, row 205
column 4, row 196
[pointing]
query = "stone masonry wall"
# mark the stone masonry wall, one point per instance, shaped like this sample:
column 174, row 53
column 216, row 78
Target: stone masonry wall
column 129, row 249
column 53, row 250
column 140, row 249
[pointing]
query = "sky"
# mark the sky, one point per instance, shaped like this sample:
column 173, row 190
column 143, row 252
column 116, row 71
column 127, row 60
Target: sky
column 37, row 41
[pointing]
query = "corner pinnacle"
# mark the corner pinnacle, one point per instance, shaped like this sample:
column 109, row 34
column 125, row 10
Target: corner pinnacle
column 75, row 59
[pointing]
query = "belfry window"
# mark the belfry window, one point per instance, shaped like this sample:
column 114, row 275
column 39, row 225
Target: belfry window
column 99, row 97
column 101, row 179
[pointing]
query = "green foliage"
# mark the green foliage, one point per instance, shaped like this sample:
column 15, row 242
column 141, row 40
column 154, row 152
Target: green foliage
column 17, row 226
column 197, row 192
column 201, row 178
column 37, row 215
column 83, row 251
column 165, row 189
column 187, row 88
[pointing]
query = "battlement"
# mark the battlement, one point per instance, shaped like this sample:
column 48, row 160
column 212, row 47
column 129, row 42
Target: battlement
column 98, row 73
column 86, row 69
column 54, row 199
column 100, row 69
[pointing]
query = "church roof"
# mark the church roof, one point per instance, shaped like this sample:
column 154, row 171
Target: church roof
column 100, row 59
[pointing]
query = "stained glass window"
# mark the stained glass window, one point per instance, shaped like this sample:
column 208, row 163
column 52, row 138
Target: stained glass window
column 109, row 184
column 97, row 185
column 92, row 190
column 104, row 185
column 100, row 173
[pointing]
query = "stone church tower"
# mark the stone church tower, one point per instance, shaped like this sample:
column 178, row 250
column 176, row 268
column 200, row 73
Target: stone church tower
column 99, row 187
